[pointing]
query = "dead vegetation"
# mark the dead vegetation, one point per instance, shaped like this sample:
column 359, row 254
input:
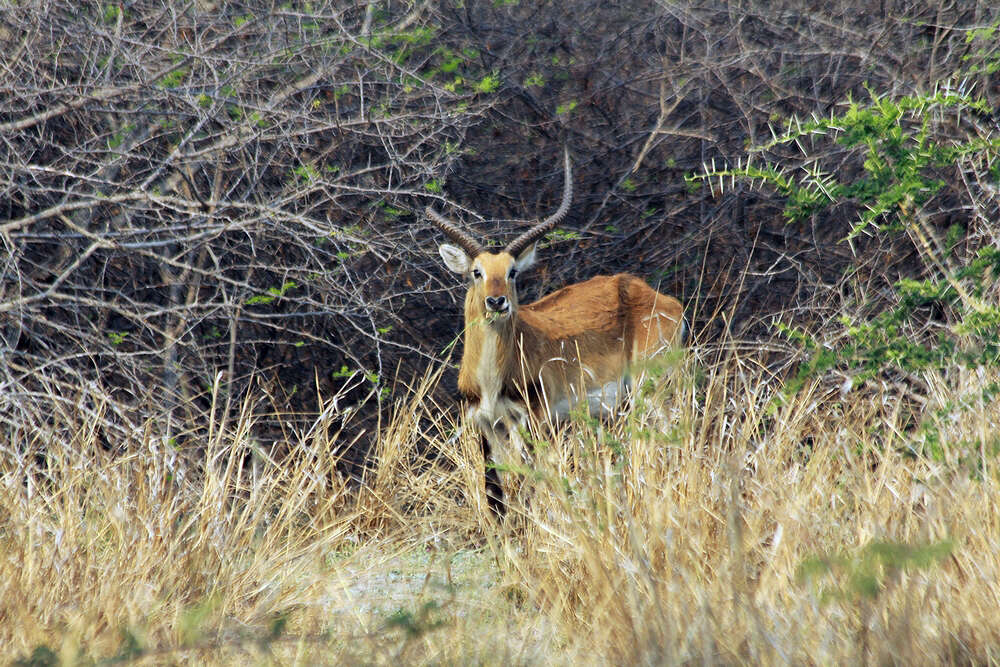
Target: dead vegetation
column 717, row 522
column 214, row 291
column 238, row 187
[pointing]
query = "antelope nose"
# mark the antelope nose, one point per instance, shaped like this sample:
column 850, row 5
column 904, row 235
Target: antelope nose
column 496, row 303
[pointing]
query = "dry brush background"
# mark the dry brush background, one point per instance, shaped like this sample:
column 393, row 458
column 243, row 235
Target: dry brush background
column 196, row 188
column 220, row 305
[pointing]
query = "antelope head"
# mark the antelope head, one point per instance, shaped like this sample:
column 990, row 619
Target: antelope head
column 492, row 288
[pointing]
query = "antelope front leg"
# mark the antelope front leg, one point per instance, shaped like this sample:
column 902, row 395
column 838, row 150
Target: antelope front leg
column 494, row 490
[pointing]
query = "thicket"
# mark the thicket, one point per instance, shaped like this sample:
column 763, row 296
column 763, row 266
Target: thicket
column 211, row 230
column 224, row 197
column 904, row 166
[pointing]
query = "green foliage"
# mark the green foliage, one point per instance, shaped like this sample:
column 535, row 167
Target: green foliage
column 416, row 623
column 195, row 624
column 214, row 333
column 381, row 392
column 174, row 78
column 562, row 235
column 344, row 372
column 116, row 139
column 278, row 625
column 129, row 649
column 418, row 36
column 488, row 84
column 885, row 340
column 900, row 156
column 903, row 155
column 41, row 656
column 455, row 70
column 393, row 212
column 305, row 173
column 117, row 337
column 866, row 575
column 534, row 80
column 450, row 63
column 272, row 293
column 985, row 34
column 112, row 13
column 985, row 59
column 194, row 620
column 566, row 108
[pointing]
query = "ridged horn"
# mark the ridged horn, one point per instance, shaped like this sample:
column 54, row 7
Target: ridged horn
column 517, row 246
column 452, row 231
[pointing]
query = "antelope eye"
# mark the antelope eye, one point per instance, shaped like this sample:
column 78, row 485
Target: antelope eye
column 512, row 274
column 477, row 274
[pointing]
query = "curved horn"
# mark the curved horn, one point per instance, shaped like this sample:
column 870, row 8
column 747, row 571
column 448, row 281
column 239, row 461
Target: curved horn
column 517, row 246
column 452, row 231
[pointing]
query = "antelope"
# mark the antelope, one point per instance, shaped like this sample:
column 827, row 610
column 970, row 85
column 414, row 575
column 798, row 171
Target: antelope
column 542, row 359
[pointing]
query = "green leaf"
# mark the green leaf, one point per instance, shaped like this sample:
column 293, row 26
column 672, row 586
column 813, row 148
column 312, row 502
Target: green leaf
column 488, row 84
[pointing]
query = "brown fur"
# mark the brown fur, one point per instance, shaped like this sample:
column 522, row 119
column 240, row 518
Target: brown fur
column 575, row 345
column 607, row 322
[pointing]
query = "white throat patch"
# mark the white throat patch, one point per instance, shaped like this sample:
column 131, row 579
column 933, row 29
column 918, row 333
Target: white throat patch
column 488, row 375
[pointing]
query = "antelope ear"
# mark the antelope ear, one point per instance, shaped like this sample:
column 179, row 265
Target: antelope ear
column 455, row 258
column 526, row 259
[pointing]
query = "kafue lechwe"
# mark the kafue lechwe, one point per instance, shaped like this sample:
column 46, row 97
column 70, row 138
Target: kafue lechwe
column 542, row 359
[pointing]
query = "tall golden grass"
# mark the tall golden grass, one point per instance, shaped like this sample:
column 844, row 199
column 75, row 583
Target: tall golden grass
column 719, row 521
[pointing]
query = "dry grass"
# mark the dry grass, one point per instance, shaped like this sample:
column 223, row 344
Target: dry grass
column 711, row 524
